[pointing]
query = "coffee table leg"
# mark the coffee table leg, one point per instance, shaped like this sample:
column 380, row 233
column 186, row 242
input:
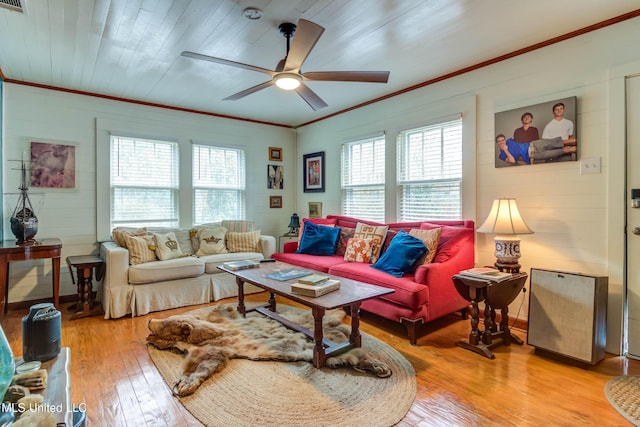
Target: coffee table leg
column 272, row 301
column 241, row 308
column 355, row 339
column 319, row 356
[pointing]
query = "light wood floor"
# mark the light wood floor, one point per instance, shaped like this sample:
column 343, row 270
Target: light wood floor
column 113, row 375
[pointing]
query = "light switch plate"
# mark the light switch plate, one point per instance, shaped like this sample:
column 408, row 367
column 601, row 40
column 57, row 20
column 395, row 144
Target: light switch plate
column 588, row 166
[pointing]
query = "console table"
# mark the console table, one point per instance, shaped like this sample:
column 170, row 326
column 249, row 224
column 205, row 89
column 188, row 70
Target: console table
column 10, row 251
column 496, row 295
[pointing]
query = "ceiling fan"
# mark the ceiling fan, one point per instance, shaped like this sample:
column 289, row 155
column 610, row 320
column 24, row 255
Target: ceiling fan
column 287, row 74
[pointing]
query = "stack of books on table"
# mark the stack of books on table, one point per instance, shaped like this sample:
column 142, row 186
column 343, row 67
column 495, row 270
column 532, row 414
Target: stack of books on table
column 241, row 265
column 315, row 285
column 486, row 273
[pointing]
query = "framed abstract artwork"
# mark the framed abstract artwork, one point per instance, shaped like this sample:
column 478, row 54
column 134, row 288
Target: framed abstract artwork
column 53, row 165
column 313, row 170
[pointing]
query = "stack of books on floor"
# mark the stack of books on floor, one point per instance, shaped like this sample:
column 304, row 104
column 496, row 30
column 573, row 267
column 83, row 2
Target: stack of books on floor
column 315, row 285
column 241, row 265
column 486, row 273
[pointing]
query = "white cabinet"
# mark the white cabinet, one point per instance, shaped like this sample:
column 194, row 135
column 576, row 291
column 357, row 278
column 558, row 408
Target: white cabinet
column 568, row 316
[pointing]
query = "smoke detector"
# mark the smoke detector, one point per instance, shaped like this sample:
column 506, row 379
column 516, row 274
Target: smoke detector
column 252, row 13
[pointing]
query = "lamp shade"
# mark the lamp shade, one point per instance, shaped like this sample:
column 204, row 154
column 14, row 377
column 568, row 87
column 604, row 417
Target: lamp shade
column 504, row 219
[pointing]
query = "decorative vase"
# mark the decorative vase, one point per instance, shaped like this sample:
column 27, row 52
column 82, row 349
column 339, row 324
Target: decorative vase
column 24, row 223
column 7, row 363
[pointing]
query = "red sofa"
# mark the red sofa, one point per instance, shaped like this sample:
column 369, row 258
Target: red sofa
column 419, row 298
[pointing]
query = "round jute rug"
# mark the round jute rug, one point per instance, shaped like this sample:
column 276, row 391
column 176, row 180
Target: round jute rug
column 624, row 395
column 262, row 393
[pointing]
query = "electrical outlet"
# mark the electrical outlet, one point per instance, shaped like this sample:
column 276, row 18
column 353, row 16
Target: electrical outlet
column 588, row 166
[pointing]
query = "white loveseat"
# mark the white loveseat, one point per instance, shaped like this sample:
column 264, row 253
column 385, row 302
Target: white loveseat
column 193, row 278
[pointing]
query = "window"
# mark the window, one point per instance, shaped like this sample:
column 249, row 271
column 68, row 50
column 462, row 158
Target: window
column 144, row 182
column 218, row 183
column 430, row 172
column 363, row 178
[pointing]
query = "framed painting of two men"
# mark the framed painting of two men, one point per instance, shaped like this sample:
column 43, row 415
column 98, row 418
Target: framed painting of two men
column 541, row 133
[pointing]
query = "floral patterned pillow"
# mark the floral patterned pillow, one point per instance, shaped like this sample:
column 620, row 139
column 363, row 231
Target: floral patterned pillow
column 430, row 238
column 359, row 250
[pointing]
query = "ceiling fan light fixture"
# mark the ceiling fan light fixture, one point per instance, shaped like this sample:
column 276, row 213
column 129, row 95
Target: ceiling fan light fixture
column 287, row 81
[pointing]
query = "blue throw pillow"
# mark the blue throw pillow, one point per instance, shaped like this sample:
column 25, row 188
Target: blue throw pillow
column 401, row 255
column 318, row 239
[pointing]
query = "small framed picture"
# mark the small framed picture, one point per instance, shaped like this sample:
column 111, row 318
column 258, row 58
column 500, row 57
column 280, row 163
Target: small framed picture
column 275, row 201
column 313, row 169
column 315, row 210
column 275, row 177
column 275, row 154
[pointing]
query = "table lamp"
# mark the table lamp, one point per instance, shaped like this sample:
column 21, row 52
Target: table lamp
column 294, row 224
column 505, row 221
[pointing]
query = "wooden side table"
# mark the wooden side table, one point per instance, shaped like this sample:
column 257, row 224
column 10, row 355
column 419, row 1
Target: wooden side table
column 85, row 266
column 10, row 251
column 496, row 296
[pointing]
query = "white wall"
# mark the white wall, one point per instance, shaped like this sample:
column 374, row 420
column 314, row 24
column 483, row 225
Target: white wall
column 33, row 114
column 577, row 227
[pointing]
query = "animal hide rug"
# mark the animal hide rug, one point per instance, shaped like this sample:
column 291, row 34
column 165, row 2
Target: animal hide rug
column 212, row 337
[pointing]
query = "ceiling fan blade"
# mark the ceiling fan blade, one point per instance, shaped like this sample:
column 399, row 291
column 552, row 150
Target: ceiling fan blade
column 349, row 76
column 249, row 91
column 310, row 97
column 194, row 55
column 306, row 37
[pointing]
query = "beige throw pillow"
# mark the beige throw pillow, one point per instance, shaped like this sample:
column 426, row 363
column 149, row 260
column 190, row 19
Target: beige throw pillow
column 119, row 234
column 375, row 232
column 430, row 238
column 211, row 241
column 141, row 249
column 244, row 242
column 167, row 246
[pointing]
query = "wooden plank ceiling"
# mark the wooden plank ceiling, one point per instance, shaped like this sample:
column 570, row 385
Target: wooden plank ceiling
column 131, row 48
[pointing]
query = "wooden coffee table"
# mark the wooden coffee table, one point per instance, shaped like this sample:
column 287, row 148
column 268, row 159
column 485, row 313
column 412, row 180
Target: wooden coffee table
column 351, row 294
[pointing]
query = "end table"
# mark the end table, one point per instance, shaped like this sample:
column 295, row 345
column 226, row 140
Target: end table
column 85, row 265
column 496, row 295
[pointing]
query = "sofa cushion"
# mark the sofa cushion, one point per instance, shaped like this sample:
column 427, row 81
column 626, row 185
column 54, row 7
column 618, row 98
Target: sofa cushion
column 159, row 271
column 401, row 256
column 375, row 232
column 452, row 239
column 141, row 249
column 211, row 262
column 119, row 234
column 167, row 246
column 319, row 221
column 243, row 242
column 407, row 292
column 212, row 241
column 430, row 238
column 239, row 226
column 314, row 262
column 318, row 240
column 182, row 236
column 345, row 234
column 359, row 250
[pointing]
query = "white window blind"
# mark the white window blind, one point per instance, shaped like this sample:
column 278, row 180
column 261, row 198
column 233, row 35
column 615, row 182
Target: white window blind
column 144, row 182
column 430, row 172
column 363, row 178
column 218, row 183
